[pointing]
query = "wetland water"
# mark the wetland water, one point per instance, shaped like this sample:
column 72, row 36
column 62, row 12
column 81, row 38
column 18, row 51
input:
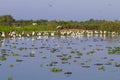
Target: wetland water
column 79, row 58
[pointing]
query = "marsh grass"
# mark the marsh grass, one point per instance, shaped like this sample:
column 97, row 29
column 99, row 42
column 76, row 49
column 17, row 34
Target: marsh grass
column 27, row 28
column 5, row 28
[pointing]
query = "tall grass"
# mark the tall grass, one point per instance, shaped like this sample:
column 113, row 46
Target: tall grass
column 4, row 28
column 27, row 28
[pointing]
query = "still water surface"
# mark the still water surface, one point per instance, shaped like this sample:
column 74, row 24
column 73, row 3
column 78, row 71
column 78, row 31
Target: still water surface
column 65, row 52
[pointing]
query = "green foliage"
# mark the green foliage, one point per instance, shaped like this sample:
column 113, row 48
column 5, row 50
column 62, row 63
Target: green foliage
column 15, row 54
column 21, row 48
column 11, row 65
column 72, row 52
column 10, row 78
column 6, row 20
column 79, row 54
column 102, row 68
column 56, row 70
column 3, row 58
column 75, row 61
column 8, row 23
column 109, row 63
column 18, row 60
column 5, row 28
column 115, row 50
column 90, row 52
column 69, row 57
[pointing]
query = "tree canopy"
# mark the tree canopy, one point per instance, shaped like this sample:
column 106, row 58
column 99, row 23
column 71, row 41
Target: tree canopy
column 6, row 20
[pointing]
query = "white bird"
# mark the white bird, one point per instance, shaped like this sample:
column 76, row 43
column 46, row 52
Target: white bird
column 33, row 33
column 3, row 34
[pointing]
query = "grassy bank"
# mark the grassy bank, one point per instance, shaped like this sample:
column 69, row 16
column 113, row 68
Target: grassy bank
column 8, row 23
column 26, row 28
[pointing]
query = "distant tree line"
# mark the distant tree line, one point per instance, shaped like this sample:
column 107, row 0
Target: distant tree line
column 9, row 21
column 6, row 20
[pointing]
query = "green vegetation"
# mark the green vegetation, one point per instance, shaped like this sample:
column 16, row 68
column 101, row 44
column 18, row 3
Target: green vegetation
column 32, row 54
column 8, row 23
column 102, row 68
column 72, row 52
column 6, row 20
column 11, row 65
column 79, row 54
column 56, row 70
column 90, row 52
column 10, row 78
column 18, row 60
column 109, row 63
column 115, row 50
column 74, row 60
column 15, row 54
column 3, row 58
column 21, row 48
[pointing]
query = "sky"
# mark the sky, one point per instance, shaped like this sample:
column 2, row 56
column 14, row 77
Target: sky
column 77, row 10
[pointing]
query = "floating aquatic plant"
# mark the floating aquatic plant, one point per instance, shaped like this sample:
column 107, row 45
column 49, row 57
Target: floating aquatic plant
column 10, row 78
column 79, row 54
column 44, row 57
column 32, row 54
column 69, row 57
column 21, row 48
column 3, row 50
column 40, row 52
column 53, row 50
column 84, row 48
column 74, row 60
column 3, row 58
column 11, row 65
column 14, row 46
column 102, row 68
column 19, row 60
column 53, row 63
column 115, row 50
column 109, row 63
column 56, row 70
column 72, row 52
column 15, row 54
column 64, row 54
column 90, row 52
column 64, row 58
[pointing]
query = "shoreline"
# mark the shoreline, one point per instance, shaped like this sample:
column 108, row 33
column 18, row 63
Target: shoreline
column 62, row 32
